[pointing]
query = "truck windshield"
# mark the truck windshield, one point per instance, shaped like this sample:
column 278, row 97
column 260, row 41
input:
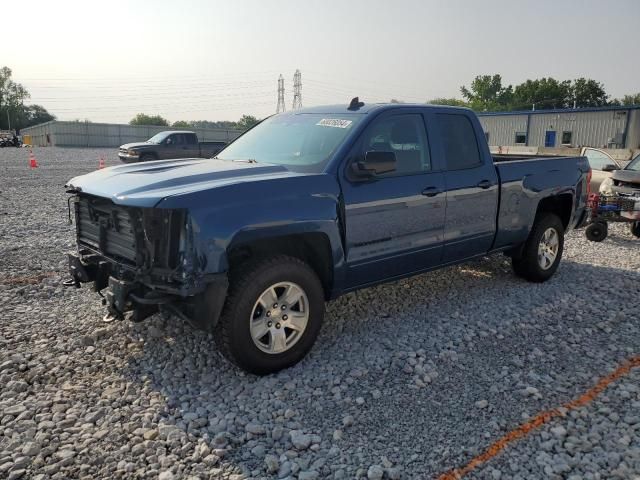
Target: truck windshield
column 634, row 165
column 302, row 142
column 158, row 138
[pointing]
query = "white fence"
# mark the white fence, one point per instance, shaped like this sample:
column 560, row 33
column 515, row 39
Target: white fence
column 87, row 134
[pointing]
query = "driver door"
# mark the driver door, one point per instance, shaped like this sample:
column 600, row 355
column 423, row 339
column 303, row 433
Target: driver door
column 394, row 221
column 174, row 146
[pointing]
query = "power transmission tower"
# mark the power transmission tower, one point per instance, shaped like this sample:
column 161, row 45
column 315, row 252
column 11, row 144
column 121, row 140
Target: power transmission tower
column 297, row 90
column 280, row 107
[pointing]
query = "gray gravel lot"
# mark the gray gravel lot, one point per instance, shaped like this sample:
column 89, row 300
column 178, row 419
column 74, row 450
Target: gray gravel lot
column 407, row 380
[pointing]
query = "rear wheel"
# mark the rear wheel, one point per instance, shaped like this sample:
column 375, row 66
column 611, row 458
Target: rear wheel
column 597, row 231
column 272, row 315
column 543, row 249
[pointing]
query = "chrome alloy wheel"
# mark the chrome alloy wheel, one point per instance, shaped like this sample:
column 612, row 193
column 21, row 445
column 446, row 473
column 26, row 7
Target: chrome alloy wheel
column 279, row 317
column 548, row 248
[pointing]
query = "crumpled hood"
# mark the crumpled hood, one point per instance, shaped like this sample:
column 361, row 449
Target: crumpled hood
column 628, row 176
column 146, row 184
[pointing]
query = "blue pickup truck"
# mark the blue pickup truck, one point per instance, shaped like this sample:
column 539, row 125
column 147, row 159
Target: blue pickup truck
column 309, row 205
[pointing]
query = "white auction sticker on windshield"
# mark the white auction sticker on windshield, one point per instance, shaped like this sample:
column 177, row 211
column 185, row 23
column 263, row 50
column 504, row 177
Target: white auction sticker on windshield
column 335, row 122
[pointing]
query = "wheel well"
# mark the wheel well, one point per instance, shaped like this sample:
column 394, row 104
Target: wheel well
column 561, row 205
column 312, row 248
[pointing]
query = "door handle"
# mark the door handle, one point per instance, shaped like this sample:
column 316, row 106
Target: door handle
column 431, row 191
column 484, row 184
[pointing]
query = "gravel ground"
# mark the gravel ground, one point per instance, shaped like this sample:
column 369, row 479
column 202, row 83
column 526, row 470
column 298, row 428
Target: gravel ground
column 407, row 380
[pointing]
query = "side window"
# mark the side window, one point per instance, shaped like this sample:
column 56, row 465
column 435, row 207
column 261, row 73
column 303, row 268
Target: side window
column 459, row 142
column 190, row 138
column 178, row 139
column 597, row 159
column 404, row 135
column 521, row 138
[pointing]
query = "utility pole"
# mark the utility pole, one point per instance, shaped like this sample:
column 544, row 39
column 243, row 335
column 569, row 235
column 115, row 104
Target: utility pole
column 297, row 90
column 280, row 107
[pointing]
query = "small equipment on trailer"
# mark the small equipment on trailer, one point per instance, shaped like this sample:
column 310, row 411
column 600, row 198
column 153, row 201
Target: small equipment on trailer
column 612, row 208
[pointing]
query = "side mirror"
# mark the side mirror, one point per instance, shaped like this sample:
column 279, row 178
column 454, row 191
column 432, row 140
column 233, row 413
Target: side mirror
column 610, row 168
column 375, row 163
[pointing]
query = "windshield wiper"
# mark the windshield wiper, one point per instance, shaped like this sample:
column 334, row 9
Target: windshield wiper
column 245, row 160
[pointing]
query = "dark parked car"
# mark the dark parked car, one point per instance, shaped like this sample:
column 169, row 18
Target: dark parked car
column 309, row 205
column 167, row 145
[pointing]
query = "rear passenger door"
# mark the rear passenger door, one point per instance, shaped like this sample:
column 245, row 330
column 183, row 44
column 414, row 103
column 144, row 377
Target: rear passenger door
column 472, row 188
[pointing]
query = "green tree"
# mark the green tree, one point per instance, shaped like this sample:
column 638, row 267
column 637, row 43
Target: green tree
column 36, row 114
column 627, row 100
column 13, row 111
column 487, row 93
column 453, row 102
column 246, row 122
column 143, row 119
column 588, row 93
column 181, row 124
column 544, row 93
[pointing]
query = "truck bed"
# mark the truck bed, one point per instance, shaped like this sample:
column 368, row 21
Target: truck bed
column 524, row 180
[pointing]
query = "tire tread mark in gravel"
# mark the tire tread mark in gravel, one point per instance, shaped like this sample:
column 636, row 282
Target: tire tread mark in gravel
column 542, row 418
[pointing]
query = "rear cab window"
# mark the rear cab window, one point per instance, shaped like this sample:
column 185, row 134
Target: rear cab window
column 459, row 142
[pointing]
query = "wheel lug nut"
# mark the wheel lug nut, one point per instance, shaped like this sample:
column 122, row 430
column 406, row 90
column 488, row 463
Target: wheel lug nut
column 284, row 317
column 283, row 307
column 268, row 314
column 275, row 305
column 277, row 325
column 269, row 324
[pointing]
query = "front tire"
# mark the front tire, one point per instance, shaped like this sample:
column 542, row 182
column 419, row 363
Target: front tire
column 542, row 251
column 272, row 315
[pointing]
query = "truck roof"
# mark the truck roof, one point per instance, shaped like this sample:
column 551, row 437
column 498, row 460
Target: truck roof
column 177, row 131
column 368, row 107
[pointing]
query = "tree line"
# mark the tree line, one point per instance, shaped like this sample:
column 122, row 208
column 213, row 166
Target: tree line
column 245, row 122
column 14, row 114
column 487, row 93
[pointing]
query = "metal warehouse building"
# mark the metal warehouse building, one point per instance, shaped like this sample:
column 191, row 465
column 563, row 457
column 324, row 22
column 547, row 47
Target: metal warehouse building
column 605, row 127
column 88, row 134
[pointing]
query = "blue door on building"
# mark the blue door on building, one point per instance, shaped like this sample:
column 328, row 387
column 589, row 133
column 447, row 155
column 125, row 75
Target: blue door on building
column 550, row 138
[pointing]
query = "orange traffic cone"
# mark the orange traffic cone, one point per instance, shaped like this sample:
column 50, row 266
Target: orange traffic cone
column 101, row 163
column 32, row 160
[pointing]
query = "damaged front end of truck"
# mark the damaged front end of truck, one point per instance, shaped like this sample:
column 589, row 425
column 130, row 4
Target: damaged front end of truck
column 142, row 260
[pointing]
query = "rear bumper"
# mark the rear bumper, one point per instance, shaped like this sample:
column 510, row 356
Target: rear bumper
column 199, row 305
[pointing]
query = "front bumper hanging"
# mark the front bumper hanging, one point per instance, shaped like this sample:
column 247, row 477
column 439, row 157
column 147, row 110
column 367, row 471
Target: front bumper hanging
column 133, row 299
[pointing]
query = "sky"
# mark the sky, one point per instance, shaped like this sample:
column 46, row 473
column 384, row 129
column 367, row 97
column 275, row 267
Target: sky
column 217, row 60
